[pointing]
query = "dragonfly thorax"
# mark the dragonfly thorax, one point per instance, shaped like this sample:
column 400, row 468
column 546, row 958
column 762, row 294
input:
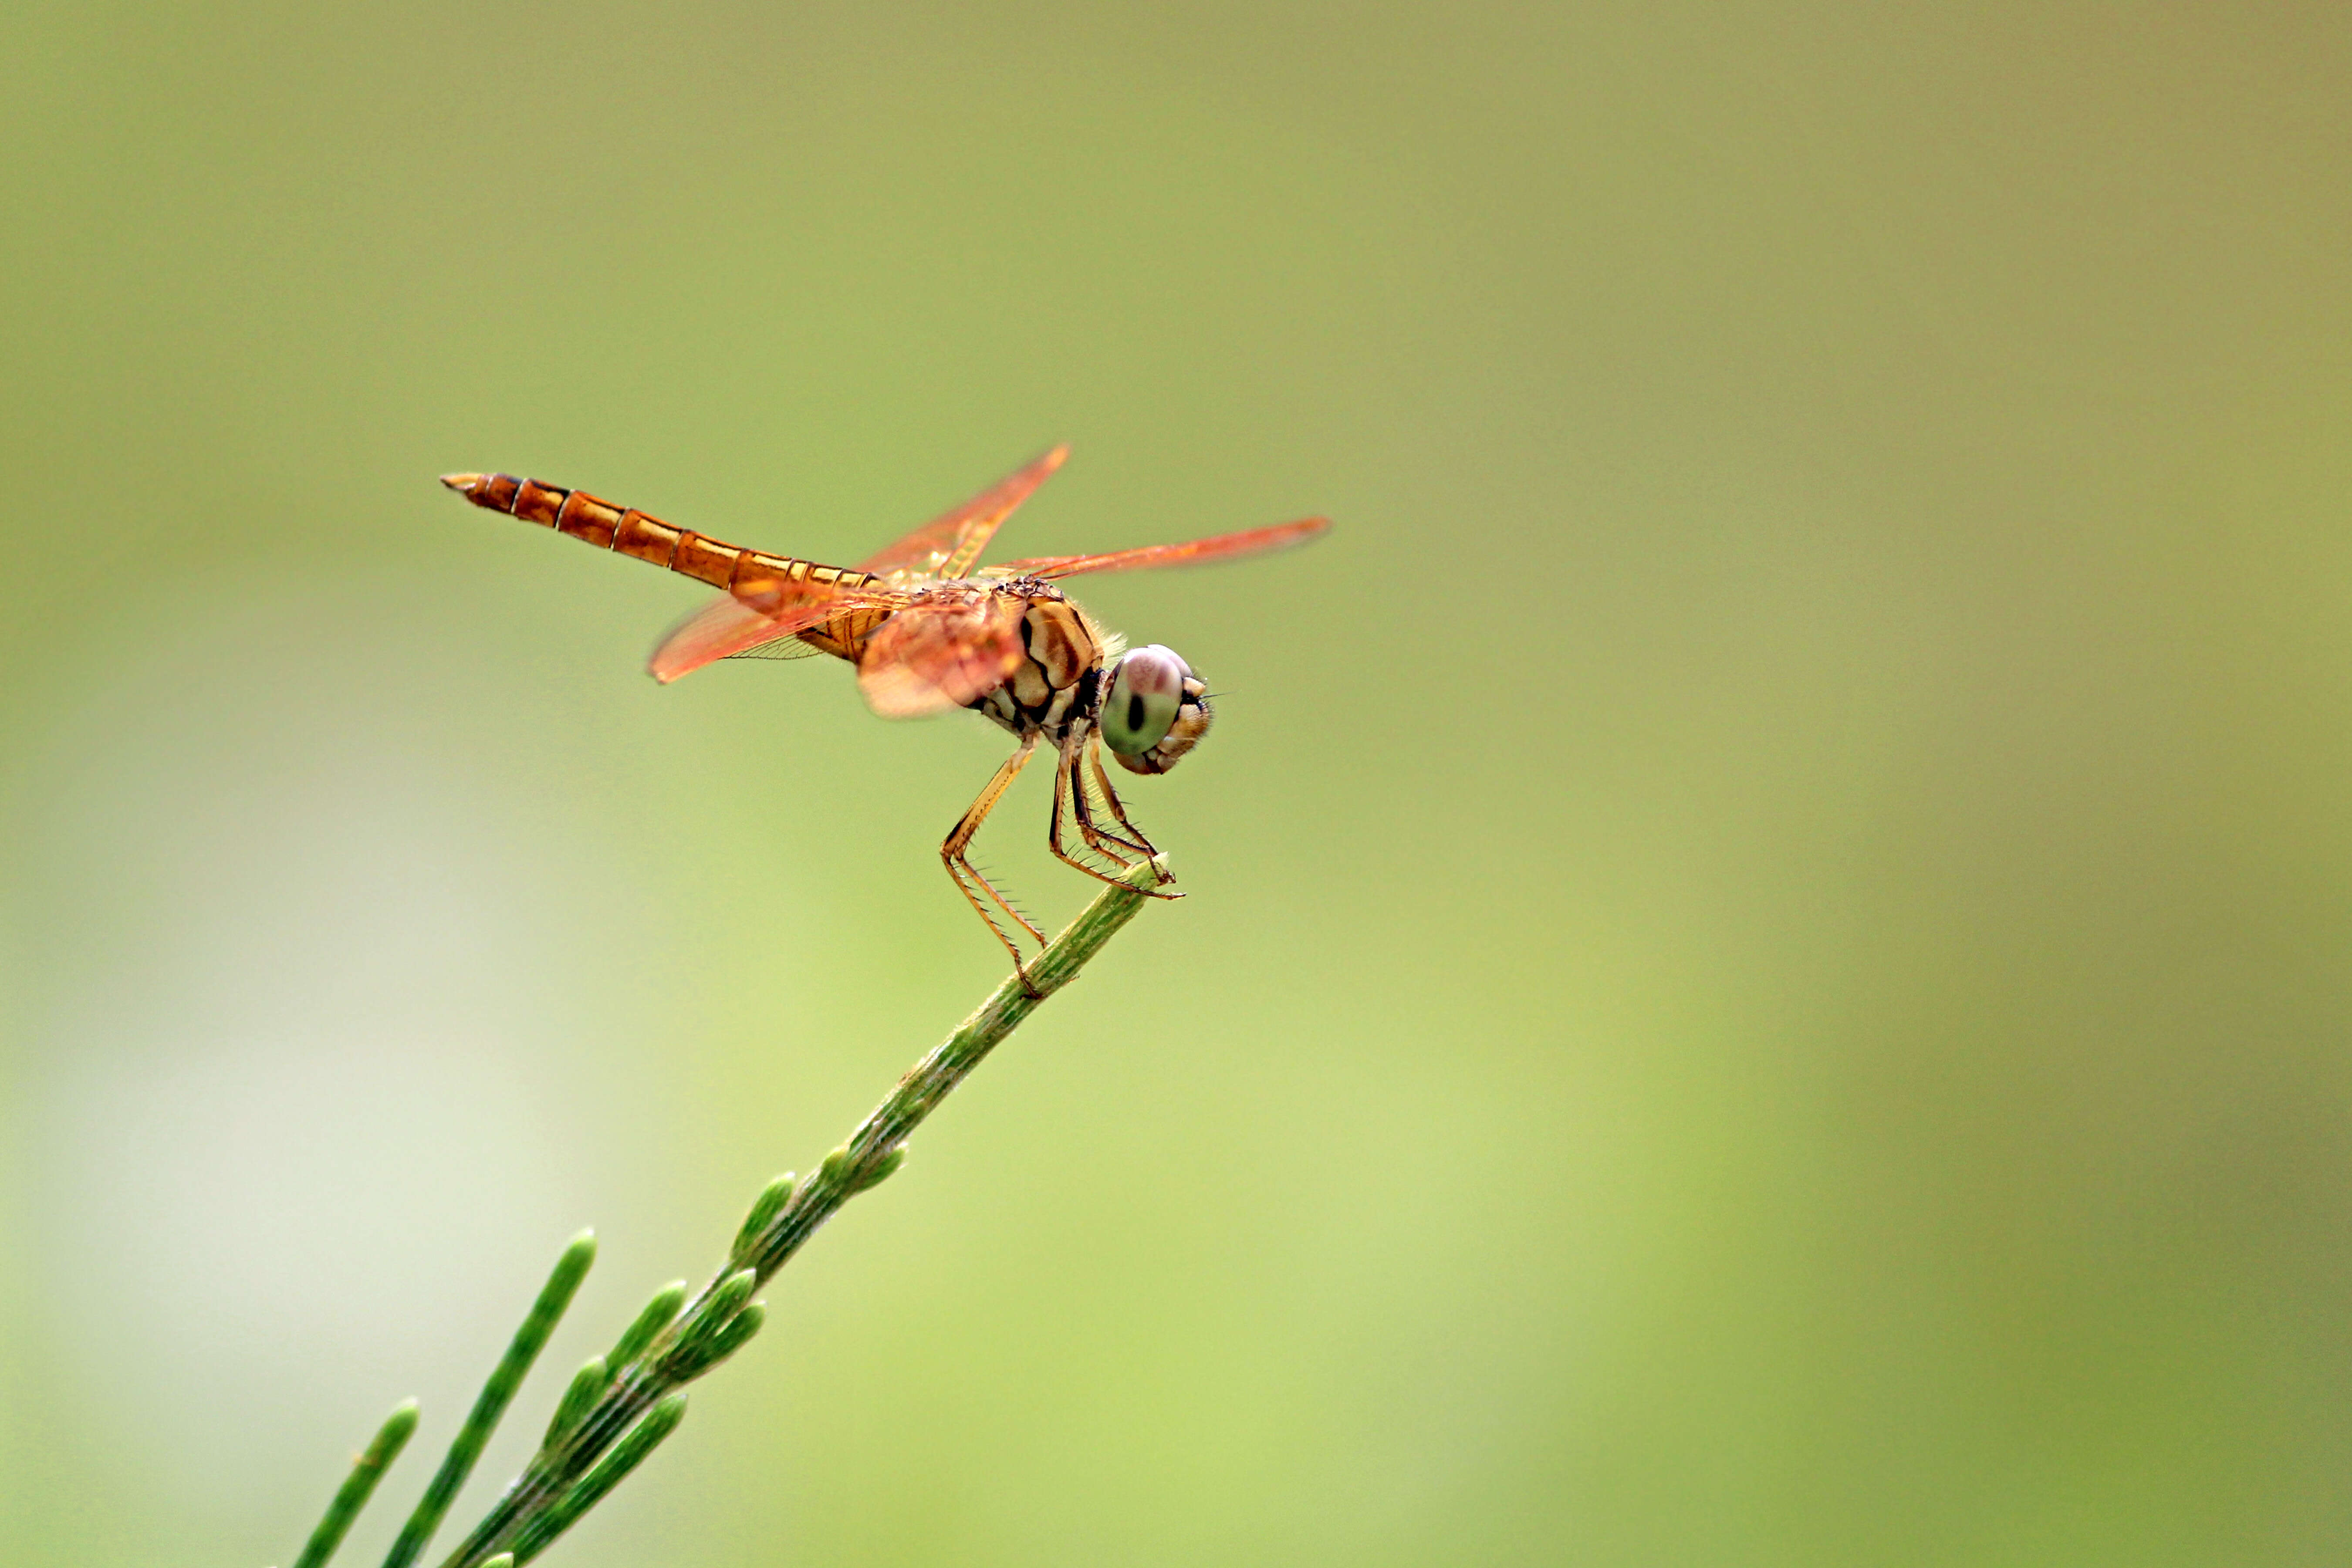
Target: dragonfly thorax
column 1059, row 680
column 1147, row 703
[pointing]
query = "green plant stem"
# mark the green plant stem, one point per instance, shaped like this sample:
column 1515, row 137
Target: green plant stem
column 583, row 1494
column 353, row 1495
column 497, row 1393
column 719, row 1316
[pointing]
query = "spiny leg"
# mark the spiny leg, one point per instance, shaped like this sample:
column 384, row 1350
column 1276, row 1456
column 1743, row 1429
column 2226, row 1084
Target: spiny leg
column 1070, row 782
column 1125, row 851
column 1138, row 843
column 967, row 879
column 1067, row 787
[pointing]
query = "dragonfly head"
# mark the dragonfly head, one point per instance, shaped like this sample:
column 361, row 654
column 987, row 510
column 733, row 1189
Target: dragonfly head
column 1155, row 712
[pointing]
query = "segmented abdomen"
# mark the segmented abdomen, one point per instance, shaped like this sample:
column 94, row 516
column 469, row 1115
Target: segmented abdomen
column 763, row 581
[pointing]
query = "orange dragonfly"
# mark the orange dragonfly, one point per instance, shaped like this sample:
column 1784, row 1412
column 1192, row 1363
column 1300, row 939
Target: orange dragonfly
column 929, row 629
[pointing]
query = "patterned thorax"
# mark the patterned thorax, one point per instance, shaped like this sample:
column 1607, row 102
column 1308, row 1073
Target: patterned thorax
column 1057, row 681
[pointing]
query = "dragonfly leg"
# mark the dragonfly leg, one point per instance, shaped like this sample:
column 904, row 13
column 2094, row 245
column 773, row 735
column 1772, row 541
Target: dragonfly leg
column 1069, row 783
column 967, row 879
column 1138, row 843
column 1110, row 798
column 1067, row 788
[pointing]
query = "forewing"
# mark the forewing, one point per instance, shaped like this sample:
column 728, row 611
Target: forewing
column 780, row 648
column 948, row 546
column 1216, row 547
column 727, row 628
column 940, row 652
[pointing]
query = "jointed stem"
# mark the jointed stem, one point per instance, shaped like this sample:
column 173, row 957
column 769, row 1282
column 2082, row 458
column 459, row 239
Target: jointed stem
column 566, row 1476
column 620, row 1405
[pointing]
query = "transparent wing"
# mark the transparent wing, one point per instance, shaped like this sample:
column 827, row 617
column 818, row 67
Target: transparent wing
column 1216, row 547
column 727, row 628
column 780, row 648
column 948, row 546
column 941, row 651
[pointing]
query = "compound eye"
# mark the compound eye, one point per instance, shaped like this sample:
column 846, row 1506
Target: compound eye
column 1144, row 697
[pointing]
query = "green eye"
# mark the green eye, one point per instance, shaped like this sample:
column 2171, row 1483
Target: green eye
column 1144, row 697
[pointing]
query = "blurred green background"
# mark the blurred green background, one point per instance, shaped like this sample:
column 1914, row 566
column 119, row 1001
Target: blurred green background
column 1767, row 974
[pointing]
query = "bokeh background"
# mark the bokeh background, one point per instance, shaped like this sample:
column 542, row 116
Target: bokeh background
column 1767, row 974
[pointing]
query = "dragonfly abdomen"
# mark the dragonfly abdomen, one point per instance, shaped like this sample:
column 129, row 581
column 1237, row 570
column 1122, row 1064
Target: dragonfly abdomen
column 752, row 575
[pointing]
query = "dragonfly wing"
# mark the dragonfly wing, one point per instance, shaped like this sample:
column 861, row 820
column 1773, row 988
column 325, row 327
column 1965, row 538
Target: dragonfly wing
column 727, row 628
column 942, row 651
column 1216, row 547
column 780, row 648
column 948, row 546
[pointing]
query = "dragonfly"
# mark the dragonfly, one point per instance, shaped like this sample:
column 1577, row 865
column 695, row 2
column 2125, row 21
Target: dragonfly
column 929, row 629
